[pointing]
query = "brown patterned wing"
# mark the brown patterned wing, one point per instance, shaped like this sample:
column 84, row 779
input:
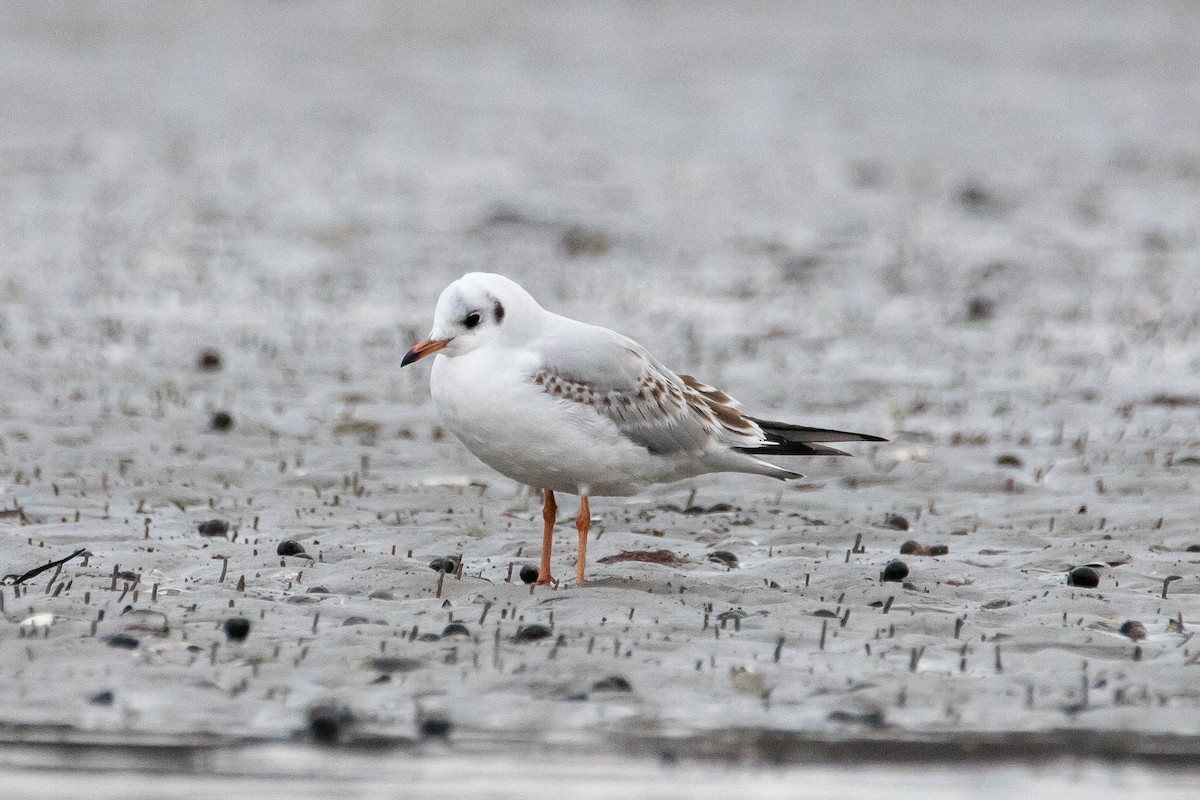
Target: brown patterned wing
column 650, row 405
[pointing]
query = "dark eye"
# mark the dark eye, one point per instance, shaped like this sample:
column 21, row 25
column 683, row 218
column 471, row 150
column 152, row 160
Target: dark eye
column 472, row 319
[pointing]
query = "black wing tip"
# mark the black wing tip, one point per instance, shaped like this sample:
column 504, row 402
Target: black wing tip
column 791, row 432
column 793, row 449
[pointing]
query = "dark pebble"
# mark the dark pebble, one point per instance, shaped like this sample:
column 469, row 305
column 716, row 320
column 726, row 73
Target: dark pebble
column 104, row 698
column 613, row 683
column 1133, row 629
column 392, row 664
column 576, row 697
column 939, row 549
column 976, row 198
column 428, row 637
column 447, row 564
column 724, row 557
column 980, row 309
column 824, row 612
column 1009, row 460
column 221, row 421
column 289, row 547
column 355, row 621
column 531, row 633
column 1193, row 548
column 912, row 547
column 732, row 614
column 455, row 629
column 895, row 571
column 383, row 679
column 1085, row 577
column 436, row 727
column 529, row 574
column 128, row 576
column 715, row 508
column 209, row 360
column 328, row 721
column 213, row 527
column 317, row 590
column 895, row 522
column 237, row 629
column 122, row 641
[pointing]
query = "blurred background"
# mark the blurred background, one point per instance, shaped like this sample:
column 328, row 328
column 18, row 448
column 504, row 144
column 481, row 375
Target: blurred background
column 821, row 186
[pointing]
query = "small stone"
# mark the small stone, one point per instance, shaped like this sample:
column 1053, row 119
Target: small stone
column 980, row 309
column 895, row 522
column 529, row 574
column 289, row 547
column 221, row 421
column 209, row 361
column 894, row 571
column 939, row 549
column 455, row 629
column 977, row 198
column 237, row 629
column 613, row 683
column 579, row 241
column 531, row 633
column 122, row 641
column 348, row 621
column 1133, row 629
column 825, row 612
column 724, row 557
column 390, row 664
column 913, row 547
column 1193, row 548
column 143, row 620
column 104, row 698
column 747, row 682
column 436, row 727
column 447, row 564
column 327, row 722
column 213, row 527
column 317, row 590
column 1084, row 577
column 428, row 637
column 1009, row 460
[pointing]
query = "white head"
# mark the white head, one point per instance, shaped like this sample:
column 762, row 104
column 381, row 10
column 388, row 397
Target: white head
column 478, row 308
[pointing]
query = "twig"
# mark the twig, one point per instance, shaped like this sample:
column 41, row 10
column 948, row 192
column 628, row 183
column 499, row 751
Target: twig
column 13, row 580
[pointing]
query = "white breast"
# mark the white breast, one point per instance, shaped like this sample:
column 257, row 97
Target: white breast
column 491, row 404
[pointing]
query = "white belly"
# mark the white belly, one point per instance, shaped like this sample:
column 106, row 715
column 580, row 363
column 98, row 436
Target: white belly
column 514, row 427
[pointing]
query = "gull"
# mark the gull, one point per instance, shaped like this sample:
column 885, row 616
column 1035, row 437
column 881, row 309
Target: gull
column 564, row 406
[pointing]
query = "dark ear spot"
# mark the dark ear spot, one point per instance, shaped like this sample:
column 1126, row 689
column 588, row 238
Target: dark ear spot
column 498, row 311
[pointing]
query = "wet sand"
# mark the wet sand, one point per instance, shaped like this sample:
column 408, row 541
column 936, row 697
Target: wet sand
column 973, row 232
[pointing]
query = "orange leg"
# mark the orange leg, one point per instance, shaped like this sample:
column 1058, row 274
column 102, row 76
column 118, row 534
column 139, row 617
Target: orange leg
column 549, row 514
column 582, row 523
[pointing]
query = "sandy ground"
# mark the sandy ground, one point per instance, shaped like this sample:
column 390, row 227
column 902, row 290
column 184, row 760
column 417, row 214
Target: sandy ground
column 967, row 228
